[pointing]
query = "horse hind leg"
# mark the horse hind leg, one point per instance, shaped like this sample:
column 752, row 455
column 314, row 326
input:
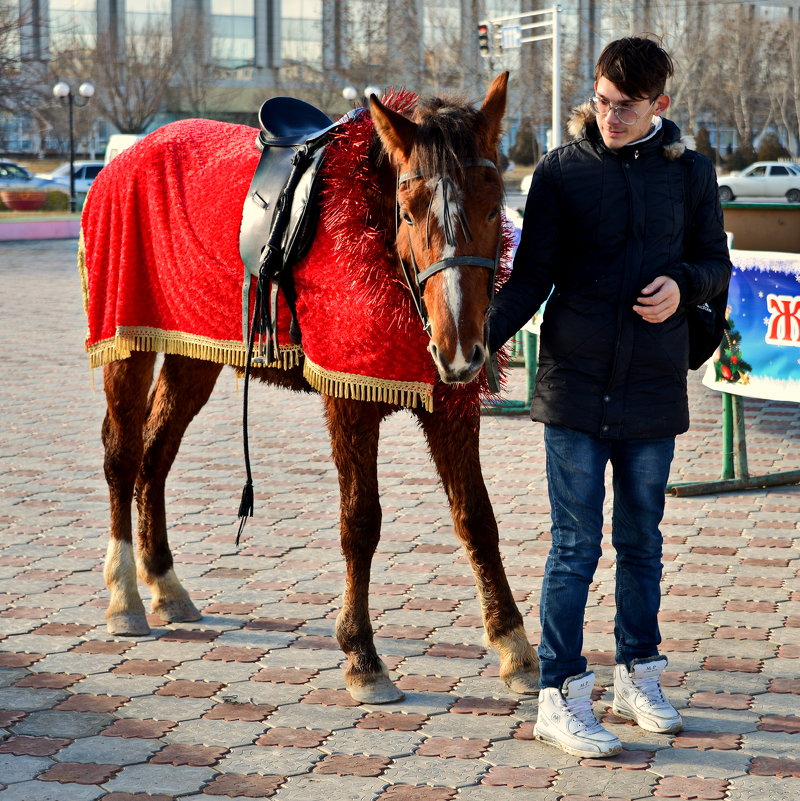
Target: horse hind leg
column 454, row 447
column 126, row 383
column 181, row 390
column 354, row 428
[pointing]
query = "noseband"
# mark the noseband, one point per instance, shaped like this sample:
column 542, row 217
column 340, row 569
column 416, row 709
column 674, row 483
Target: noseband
column 415, row 280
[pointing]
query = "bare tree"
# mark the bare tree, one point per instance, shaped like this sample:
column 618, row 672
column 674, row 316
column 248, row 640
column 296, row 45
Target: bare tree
column 73, row 65
column 195, row 73
column 366, row 22
column 686, row 37
column 18, row 75
column 132, row 77
column 740, row 51
column 791, row 51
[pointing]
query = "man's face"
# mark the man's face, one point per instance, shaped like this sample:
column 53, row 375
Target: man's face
column 614, row 132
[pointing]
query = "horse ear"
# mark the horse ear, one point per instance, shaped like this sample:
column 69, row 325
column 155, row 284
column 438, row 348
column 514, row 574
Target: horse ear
column 494, row 106
column 396, row 131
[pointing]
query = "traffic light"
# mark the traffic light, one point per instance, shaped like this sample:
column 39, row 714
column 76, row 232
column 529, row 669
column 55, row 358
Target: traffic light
column 483, row 39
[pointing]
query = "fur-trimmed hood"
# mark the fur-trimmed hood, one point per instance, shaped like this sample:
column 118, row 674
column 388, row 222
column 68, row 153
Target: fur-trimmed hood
column 582, row 122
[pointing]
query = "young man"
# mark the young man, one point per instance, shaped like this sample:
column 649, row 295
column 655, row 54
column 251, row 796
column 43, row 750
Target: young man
column 605, row 229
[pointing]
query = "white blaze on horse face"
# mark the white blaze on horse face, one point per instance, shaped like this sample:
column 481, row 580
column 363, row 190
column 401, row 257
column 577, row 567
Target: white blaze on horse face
column 451, row 286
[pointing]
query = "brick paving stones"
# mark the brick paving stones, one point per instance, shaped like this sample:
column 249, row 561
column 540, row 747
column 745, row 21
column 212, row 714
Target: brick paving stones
column 249, row 702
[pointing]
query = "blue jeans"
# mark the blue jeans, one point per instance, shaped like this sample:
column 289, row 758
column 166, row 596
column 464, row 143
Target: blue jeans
column 576, row 464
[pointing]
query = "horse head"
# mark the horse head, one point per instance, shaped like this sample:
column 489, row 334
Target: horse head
column 449, row 195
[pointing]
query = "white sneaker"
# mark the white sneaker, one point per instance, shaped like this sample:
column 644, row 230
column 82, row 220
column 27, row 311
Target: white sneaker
column 638, row 696
column 567, row 721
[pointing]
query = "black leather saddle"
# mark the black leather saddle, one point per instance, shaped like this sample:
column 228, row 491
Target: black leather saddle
column 279, row 220
column 280, row 211
column 287, row 121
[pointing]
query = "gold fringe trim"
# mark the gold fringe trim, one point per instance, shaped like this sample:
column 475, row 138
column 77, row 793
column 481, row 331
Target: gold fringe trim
column 232, row 352
column 82, row 272
column 363, row 388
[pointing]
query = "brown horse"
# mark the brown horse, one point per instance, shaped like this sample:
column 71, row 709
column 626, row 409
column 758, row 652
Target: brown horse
column 439, row 205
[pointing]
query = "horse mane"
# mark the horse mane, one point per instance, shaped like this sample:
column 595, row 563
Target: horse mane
column 449, row 134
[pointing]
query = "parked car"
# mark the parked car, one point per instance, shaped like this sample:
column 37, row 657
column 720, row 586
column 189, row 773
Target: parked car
column 85, row 172
column 763, row 179
column 525, row 183
column 14, row 178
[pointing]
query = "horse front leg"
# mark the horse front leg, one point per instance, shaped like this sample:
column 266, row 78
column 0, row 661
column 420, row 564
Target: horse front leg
column 126, row 383
column 454, row 447
column 354, row 428
column 182, row 389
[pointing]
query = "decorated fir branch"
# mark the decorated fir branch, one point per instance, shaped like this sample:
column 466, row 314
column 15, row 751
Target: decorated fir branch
column 730, row 366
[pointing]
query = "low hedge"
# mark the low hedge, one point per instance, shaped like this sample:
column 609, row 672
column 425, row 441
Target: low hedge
column 56, row 201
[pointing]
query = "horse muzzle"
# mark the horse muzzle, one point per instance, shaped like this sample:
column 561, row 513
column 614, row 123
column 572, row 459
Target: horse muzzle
column 461, row 369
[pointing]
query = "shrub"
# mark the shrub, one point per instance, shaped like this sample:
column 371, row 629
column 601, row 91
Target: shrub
column 702, row 144
column 771, row 148
column 56, row 201
column 525, row 149
column 742, row 157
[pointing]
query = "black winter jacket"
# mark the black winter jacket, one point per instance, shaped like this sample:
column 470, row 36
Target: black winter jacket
column 599, row 225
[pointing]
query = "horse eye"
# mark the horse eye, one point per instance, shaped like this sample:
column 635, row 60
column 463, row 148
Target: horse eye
column 407, row 217
column 495, row 211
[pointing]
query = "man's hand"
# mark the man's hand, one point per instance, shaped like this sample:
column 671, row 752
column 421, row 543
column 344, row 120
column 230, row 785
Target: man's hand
column 659, row 300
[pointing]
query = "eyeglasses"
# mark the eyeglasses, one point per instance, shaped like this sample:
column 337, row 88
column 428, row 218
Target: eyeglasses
column 625, row 114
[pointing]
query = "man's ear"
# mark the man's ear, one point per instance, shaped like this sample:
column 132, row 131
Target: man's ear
column 662, row 104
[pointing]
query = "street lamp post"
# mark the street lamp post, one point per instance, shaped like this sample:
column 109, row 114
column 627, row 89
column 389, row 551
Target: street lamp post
column 63, row 92
column 350, row 93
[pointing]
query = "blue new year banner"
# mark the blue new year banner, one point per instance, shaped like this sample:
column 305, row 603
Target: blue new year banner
column 760, row 356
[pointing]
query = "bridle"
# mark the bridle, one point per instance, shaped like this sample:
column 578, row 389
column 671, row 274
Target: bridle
column 415, row 280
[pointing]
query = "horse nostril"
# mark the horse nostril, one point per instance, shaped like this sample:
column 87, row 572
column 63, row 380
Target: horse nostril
column 478, row 356
column 434, row 350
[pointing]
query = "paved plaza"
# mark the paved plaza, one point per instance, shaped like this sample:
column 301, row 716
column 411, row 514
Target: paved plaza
column 250, row 702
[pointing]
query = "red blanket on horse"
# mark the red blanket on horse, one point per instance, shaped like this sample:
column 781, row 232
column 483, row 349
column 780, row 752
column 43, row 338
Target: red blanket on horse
column 161, row 268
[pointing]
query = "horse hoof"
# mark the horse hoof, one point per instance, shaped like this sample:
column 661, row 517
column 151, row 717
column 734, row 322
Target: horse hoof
column 183, row 611
column 125, row 624
column 523, row 682
column 379, row 691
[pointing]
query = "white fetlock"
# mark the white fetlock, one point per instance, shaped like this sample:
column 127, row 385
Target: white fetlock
column 127, row 624
column 374, row 689
column 170, row 601
column 125, row 616
column 519, row 665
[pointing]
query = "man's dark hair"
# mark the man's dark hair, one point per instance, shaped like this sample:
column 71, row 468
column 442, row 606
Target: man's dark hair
column 637, row 66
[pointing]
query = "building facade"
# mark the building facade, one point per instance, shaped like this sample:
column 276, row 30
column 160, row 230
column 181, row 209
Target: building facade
column 230, row 55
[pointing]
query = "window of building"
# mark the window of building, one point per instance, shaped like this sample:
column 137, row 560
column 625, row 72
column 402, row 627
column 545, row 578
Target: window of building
column 233, row 30
column 143, row 14
column 146, row 20
column 73, row 25
column 442, row 41
column 301, row 32
column 368, row 39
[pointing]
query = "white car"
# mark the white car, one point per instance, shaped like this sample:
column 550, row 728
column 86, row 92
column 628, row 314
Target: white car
column 85, row 173
column 765, row 179
column 525, row 183
column 14, row 178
